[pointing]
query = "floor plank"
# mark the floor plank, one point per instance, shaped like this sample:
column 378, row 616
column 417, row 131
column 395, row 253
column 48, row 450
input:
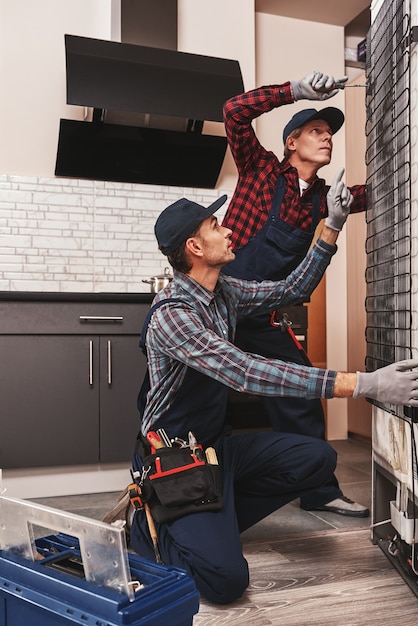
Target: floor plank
column 330, row 578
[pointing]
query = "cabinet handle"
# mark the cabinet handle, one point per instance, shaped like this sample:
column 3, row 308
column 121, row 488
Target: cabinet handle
column 109, row 362
column 101, row 318
column 90, row 362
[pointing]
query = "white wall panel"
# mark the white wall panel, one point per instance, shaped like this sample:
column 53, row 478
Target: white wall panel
column 32, row 75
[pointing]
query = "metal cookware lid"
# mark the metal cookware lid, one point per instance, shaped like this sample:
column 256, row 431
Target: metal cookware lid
column 162, row 276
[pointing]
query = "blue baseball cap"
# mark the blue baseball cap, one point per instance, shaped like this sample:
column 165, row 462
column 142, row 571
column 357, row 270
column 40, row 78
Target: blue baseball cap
column 334, row 117
column 177, row 222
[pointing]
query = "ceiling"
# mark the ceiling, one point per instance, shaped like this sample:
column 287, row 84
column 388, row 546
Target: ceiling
column 352, row 14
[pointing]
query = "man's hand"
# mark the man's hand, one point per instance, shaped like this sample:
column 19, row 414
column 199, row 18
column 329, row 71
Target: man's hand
column 339, row 200
column 395, row 384
column 317, row 86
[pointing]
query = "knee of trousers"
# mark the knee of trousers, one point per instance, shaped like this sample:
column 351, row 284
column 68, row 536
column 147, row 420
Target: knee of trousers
column 224, row 584
column 315, row 460
column 324, row 456
column 217, row 580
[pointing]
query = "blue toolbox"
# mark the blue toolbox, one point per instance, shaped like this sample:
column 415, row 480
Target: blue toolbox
column 82, row 574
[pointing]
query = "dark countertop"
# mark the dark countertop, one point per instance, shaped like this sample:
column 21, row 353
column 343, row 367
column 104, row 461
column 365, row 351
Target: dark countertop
column 49, row 296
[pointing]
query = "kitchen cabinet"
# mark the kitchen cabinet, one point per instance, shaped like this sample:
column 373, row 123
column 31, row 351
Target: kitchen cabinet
column 69, row 378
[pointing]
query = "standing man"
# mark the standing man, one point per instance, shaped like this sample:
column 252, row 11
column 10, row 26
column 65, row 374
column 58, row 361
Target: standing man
column 273, row 214
column 193, row 361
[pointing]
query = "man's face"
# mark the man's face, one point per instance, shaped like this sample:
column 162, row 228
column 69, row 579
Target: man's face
column 314, row 145
column 215, row 241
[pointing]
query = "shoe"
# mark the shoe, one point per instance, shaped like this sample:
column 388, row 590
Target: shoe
column 344, row 506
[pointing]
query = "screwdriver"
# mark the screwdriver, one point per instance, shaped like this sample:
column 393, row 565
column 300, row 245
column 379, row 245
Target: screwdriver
column 155, row 441
column 345, row 86
column 339, row 86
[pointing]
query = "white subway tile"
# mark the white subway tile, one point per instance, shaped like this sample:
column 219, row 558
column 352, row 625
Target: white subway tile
column 59, row 234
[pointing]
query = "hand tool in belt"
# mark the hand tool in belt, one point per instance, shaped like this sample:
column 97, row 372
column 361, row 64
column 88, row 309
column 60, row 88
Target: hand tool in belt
column 211, row 456
column 164, row 437
column 155, row 441
column 277, row 318
column 196, row 449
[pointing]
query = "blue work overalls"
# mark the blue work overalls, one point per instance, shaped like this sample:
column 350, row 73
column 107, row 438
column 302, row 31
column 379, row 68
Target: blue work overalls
column 275, row 250
column 261, row 472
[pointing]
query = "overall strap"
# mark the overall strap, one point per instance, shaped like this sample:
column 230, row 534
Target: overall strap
column 278, row 199
column 316, row 211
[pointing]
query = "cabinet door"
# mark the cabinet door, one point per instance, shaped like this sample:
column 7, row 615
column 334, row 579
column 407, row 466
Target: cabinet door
column 122, row 368
column 49, row 400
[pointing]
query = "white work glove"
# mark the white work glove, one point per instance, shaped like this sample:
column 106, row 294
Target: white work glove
column 317, row 86
column 395, row 384
column 339, row 200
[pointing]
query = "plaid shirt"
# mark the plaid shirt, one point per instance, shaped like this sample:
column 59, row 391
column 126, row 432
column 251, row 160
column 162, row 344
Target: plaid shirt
column 259, row 169
column 198, row 332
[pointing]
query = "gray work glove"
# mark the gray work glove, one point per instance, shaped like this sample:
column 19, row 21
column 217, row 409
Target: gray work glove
column 395, row 384
column 339, row 200
column 317, row 86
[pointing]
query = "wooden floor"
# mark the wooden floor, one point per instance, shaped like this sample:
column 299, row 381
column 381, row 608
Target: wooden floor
column 306, row 568
column 332, row 578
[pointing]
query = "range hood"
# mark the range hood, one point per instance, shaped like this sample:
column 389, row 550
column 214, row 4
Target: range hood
column 150, row 105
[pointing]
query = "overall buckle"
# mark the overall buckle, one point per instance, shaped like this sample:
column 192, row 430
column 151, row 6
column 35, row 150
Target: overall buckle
column 277, row 318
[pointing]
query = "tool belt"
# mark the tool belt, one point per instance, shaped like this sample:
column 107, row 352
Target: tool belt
column 177, row 480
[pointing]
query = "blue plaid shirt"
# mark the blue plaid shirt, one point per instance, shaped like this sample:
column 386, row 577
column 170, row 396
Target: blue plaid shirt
column 198, row 332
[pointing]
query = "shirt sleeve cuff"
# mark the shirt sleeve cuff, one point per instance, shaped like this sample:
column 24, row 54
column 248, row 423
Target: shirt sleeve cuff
column 330, row 248
column 285, row 94
column 328, row 384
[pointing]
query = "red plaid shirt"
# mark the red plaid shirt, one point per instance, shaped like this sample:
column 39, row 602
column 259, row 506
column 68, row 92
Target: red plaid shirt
column 258, row 170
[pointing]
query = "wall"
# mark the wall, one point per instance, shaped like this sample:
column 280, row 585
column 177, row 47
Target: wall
column 69, row 235
column 220, row 28
column 359, row 410
column 288, row 49
column 201, row 31
column 32, row 74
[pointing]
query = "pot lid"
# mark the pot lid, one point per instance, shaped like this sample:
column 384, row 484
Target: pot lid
column 165, row 275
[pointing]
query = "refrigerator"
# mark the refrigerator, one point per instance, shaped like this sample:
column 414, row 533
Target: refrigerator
column 392, row 269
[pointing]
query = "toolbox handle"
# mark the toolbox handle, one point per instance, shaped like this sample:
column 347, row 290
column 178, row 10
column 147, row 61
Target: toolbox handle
column 102, row 546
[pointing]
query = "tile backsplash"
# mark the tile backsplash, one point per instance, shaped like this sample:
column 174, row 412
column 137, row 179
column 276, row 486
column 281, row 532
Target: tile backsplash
column 68, row 235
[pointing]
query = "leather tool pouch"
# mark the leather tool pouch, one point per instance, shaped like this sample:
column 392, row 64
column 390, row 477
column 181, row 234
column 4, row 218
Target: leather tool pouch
column 180, row 482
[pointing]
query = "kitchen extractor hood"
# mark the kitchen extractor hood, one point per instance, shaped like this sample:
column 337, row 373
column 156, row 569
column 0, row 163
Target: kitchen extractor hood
column 150, row 105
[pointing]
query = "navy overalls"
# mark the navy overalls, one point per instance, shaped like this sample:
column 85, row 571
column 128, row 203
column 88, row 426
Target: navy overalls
column 275, row 250
column 261, row 472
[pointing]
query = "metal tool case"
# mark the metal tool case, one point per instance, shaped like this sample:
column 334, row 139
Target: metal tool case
column 82, row 575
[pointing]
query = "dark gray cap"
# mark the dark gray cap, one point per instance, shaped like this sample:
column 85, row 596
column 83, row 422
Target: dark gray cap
column 177, row 222
column 334, row 117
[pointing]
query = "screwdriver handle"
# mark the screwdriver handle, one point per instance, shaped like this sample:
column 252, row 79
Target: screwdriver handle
column 328, row 89
column 154, row 440
column 337, row 86
column 211, row 456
